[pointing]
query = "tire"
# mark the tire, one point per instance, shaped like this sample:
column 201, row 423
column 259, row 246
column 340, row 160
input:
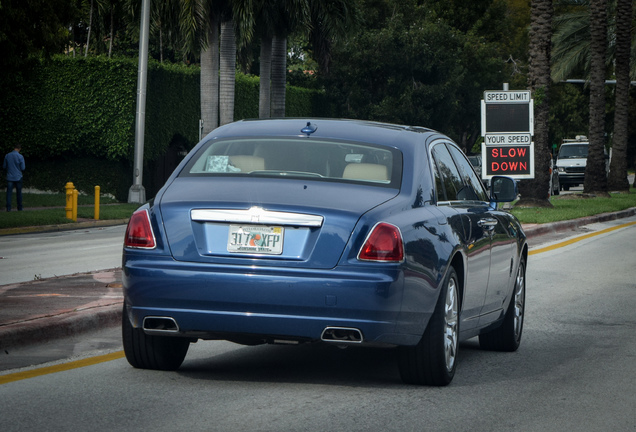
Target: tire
column 152, row 352
column 507, row 337
column 434, row 359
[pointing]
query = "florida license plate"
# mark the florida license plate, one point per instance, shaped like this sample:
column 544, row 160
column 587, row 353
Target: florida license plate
column 258, row 239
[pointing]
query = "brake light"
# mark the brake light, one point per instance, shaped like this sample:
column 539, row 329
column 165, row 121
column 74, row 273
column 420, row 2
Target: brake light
column 139, row 232
column 384, row 244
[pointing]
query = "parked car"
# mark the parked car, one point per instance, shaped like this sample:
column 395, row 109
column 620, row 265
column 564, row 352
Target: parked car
column 555, row 185
column 347, row 232
column 572, row 160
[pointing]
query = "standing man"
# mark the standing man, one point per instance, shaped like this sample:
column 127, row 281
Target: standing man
column 14, row 164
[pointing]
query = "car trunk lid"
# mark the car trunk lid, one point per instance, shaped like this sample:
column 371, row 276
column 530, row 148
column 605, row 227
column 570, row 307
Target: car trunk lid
column 295, row 223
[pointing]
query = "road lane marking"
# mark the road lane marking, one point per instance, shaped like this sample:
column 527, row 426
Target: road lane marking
column 578, row 239
column 18, row 376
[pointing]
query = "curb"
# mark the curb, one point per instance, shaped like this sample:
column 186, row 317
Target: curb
column 63, row 325
column 555, row 227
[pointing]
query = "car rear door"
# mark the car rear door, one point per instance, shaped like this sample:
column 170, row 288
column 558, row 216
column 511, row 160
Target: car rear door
column 454, row 192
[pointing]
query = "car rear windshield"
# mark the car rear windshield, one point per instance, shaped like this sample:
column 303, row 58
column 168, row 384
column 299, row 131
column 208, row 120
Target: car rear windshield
column 573, row 151
column 298, row 158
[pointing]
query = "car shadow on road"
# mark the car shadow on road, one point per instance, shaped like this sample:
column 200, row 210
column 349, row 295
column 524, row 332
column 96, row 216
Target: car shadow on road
column 324, row 365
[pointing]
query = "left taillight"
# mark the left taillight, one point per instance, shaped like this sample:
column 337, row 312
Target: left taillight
column 139, row 232
column 384, row 244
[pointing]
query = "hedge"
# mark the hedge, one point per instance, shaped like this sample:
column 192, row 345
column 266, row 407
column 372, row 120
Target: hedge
column 79, row 113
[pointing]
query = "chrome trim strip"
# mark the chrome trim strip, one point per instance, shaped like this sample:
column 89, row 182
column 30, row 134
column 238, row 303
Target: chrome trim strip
column 256, row 215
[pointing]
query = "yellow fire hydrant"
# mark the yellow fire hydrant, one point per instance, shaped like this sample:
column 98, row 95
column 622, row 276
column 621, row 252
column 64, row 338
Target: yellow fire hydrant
column 69, row 200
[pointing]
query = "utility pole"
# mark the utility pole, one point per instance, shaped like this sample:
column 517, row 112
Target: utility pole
column 137, row 193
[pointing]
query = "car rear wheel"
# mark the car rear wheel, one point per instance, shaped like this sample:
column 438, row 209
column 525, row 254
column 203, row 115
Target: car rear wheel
column 507, row 337
column 152, row 352
column 434, row 359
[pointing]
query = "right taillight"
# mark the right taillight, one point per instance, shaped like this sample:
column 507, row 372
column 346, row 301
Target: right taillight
column 139, row 232
column 384, row 244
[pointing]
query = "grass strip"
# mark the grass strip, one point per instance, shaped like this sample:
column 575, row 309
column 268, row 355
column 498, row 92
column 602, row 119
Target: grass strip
column 574, row 206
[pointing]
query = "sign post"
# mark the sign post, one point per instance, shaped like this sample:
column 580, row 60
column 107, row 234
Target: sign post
column 507, row 125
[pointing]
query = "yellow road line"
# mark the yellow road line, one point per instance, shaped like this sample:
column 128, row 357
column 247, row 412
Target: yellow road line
column 578, row 239
column 4, row 379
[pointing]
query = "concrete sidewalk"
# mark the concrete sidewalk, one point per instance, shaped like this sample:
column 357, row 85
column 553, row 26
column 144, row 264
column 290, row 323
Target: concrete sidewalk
column 46, row 309
column 41, row 310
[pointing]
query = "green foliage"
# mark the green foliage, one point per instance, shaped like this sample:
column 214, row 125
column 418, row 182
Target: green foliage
column 75, row 118
column 569, row 111
column 246, row 97
column 113, row 177
column 412, row 68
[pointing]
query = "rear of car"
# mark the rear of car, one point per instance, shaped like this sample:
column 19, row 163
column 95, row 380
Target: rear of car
column 257, row 239
column 346, row 232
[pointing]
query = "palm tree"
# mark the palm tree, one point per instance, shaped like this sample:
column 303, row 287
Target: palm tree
column 618, row 170
column 330, row 19
column 199, row 24
column 571, row 59
column 279, row 75
column 536, row 192
column 595, row 173
column 227, row 72
column 210, row 78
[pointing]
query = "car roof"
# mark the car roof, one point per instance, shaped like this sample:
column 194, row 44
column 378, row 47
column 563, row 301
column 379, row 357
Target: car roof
column 345, row 129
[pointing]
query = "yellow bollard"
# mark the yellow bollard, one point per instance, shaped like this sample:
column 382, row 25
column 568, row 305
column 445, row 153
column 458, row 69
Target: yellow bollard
column 97, row 202
column 75, row 194
column 69, row 200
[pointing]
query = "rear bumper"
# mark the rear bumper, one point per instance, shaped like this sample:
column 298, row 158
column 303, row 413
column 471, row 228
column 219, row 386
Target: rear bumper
column 223, row 302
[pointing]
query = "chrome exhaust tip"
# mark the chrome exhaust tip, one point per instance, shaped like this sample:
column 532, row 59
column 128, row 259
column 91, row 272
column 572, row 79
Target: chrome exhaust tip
column 160, row 325
column 342, row 335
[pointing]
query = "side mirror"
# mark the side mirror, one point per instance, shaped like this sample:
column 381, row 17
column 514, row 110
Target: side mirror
column 503, row 189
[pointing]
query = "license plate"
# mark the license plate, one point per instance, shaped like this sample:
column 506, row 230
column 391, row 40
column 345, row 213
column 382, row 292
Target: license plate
column 258, row 239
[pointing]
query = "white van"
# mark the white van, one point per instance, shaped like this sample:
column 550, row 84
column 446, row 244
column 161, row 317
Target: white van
column 571, row 161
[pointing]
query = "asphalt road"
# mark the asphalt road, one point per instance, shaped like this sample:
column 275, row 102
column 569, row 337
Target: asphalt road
column 26, row 257
column 575, row 370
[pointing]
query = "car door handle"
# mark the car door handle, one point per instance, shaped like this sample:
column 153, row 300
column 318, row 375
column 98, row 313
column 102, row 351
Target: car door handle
column 488, row 223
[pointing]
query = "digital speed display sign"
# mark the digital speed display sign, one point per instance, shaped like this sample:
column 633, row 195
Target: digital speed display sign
column 507, row 125
column 515, row 161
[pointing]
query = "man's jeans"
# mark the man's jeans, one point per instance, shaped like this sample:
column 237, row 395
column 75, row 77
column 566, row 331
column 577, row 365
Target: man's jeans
column 18, row 193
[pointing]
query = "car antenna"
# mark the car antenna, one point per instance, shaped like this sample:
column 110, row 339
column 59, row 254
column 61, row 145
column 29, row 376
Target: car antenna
column 309, row 129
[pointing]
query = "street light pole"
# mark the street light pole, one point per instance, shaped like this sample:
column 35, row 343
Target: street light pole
column 137, row 193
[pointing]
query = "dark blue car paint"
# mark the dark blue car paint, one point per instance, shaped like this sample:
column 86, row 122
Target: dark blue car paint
column 219, row 297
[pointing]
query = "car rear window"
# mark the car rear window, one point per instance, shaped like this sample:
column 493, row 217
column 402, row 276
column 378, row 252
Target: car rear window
column 298, row 158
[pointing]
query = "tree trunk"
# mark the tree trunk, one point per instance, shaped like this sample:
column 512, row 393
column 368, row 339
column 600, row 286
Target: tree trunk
column 210, row 80
column 617, row 180
column 264, row 96
column 536, row 192
column 112, row 29
column 90, row 26
column 227, row 72
column 279, row 75
column 595, row 172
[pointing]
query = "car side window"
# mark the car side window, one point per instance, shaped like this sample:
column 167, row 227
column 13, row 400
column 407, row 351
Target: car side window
column 476, row 188
column 451, row 181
